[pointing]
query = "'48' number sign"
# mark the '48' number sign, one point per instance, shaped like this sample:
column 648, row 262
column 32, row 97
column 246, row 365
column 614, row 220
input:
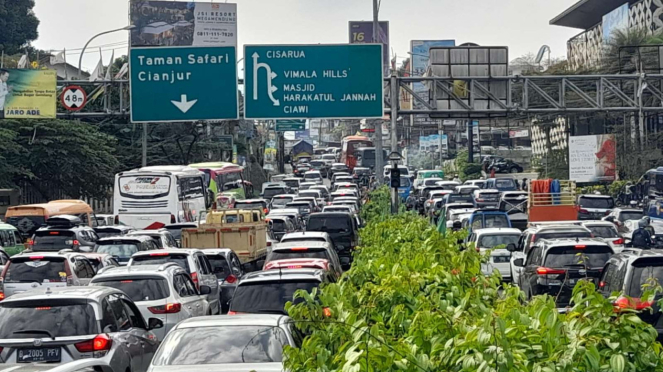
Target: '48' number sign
column 73, row 98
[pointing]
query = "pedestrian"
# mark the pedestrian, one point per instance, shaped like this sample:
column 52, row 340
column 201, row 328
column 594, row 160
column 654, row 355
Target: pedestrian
column 492, row 172
column 641, row 237
column 524, row 185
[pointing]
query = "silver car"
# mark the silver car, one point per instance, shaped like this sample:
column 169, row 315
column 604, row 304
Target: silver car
column 193, row 261
column 30, row 271
column 61, row 325
column 162, row 237
column 227, row 343
column 165, row 292
column 228, row 270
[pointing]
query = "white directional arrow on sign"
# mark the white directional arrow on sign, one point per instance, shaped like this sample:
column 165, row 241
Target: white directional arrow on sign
column 183, row 104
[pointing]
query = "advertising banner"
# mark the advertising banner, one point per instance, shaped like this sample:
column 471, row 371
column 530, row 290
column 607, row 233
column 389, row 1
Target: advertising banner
column 28, row 94
column 592, row 158
column 177, row 23
column 362, row 32
column 420, row 50
column 522, row 133
column 613, row 21
column 144, row 185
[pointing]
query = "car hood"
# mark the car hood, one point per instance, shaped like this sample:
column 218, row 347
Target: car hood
column 231, row 367
column 75, row 366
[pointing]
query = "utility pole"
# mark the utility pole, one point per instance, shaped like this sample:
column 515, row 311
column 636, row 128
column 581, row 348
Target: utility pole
column 394, row 111
column 281, row 154
column 379, row 159
column 144, row 144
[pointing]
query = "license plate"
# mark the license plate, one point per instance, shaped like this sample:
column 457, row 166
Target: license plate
column 572, row 282
column 501, row 259
column 38, row 355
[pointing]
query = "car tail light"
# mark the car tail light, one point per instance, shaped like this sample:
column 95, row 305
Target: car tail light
column 619, row 241
column 2, row 296
column 269, row 243
column 194, row 278
column 30, row 242
column 54, row 233
column 117, row 220
column 76, row 242
column 232, row 312
column 601, row 284
column 170, row 308
column 159, row 254
column 266, row 210
column 580, row 246
column 548, row 271
column 583, row 211
column 231, row 279
column 299, row 249
column 172, row 218
column 36, row 257
column 100, row 343
column 632, row 303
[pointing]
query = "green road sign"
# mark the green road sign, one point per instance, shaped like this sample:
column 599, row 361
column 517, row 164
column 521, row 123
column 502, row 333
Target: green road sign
column 313, row 81
column 290, row 125
column 183, row 84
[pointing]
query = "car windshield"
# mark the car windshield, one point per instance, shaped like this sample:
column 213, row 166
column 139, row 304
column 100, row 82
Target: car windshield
column 53, row 240
column 120, row 250
column 250, row 205
column 56, row 318
column 302, row 208
column 292, row 183
column 177, row 231
column 643, row 275
column 591, row 256
column 606, row 232
column 330, row 224
column 405, row 182
column 159, row 259
column 271, row 192
column 268, row 297
column 220, row 266
column 598, row 203
column 287, row 254
column 460, row 198
column 496, row 220
column 505, row 184
column 281, row 201
column 312, row 176
column 140, row 289
column 625, row 216
column 241, row 344
column 492, row 241
column 36, row 269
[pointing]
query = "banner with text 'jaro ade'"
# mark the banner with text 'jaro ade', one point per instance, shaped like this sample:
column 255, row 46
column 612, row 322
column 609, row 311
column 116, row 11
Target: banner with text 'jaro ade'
column 28, row 94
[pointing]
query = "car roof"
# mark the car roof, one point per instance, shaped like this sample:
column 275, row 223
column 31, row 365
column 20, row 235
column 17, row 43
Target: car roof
column 180, row 225
column 312, row 172
column 280, row 186
column 187, row 251
column 595, row 196
column 251, row 201
column 558, row 227
column 460, row 205
column 139, row 270
column 147, row 232
column 573, row 241
column 63, row 253
column 135, row 238
column 217, row 251
column 329, row 214
column 83, row 293
column 113, row 227
column 300, row 243
column 240, row 320
column 284, row 211
column 498, row 230
column 283, row 196
column 307, row 234
column 598, row 223
column 290, row 274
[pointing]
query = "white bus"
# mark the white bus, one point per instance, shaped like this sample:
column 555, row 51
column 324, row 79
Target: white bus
column 152, row 197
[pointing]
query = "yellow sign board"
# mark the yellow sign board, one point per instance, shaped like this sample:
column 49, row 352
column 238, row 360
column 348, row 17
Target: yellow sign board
column 28, row 94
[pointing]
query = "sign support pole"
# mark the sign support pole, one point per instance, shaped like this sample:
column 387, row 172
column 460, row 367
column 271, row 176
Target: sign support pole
column 394, row 111
column 379, row 163
column 144, row 144
column 281, row 153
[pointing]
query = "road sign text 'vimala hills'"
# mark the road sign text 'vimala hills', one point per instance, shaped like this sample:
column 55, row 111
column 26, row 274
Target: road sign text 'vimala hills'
column 313, row 81
column 183, row 84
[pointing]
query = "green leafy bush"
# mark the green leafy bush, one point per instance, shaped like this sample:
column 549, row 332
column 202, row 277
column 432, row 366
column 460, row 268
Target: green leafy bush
column 415, row 301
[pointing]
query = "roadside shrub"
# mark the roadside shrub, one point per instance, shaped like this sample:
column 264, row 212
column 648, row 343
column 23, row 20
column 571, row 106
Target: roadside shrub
column 415, row 300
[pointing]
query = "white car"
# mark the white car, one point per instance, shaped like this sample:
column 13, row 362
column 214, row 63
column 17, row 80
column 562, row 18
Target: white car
column 608, row 232
column 241, row 342
column 487, row 240
column 313, row 176
column 316, row 236
column 165, row 292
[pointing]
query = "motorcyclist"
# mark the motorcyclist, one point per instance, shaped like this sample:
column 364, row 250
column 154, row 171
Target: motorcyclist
column 641, row 237
column 456, row 178
column 411, row 202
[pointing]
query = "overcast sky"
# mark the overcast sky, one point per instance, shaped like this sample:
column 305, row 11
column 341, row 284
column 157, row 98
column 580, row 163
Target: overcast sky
column 522, row 25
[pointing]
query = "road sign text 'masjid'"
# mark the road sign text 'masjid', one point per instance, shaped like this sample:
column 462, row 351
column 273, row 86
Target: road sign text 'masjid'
column 313, row 81
column 183, row 84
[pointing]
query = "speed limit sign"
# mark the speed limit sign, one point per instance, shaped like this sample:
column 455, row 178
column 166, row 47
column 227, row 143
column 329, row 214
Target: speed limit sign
column 73, row 98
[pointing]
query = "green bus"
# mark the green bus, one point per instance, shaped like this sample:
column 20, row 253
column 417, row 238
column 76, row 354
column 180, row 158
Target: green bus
column 10, row 239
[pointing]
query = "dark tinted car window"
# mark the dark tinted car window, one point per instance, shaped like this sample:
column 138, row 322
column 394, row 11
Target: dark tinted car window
column 108, row 233
column 271, row 192
column 590, row 256
column 53, row 240
column 268, row 297
column 641, row 275
column 491, row 241
column 180, row 259
column 505, row 184
column 121, row 250
column 292, row 183
column 290, row 254
column 625, row 216
column 50, row 269
column 330, row 224
column 604, row 232
column 251, row 205
column 599, row 203
column 147, row 289
column 220, row 266
column 58, row 318
column 242, row 344
column 460, row 198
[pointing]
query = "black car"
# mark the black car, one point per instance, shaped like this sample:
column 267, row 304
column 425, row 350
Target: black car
column 626, row 273
column 114, row 230
column 502, row 165
column 320, row 166
column 337, row 168
column 64, row 232
column 554, row 267
column 341, row 227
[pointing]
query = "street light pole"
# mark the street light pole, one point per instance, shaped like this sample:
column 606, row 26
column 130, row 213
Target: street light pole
column 80, row 59
column 378, row 123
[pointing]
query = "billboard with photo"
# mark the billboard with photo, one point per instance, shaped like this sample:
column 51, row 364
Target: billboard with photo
column 28, row 94
column 362, row 32
column 420, row 56
column 613, row 21
column 592, row 158
column 179, row 23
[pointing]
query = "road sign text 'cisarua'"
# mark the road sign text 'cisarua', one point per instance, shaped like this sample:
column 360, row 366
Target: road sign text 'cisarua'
column 313, row 81
column 183, row 84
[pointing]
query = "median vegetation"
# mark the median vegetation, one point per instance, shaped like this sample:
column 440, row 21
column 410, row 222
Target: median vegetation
column 414, row 300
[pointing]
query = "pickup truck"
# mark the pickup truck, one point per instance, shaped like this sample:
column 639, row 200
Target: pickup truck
column 243, row 231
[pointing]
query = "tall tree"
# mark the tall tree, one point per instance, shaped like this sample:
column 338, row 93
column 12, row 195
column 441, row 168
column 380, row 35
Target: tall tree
column 18, row 24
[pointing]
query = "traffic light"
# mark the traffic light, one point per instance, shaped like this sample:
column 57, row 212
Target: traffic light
column 395, row 178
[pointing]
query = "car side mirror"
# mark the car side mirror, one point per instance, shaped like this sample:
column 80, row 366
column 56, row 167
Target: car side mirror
column 519, row 262
column 511, row 247
column 205, row 290
column 154, row 323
